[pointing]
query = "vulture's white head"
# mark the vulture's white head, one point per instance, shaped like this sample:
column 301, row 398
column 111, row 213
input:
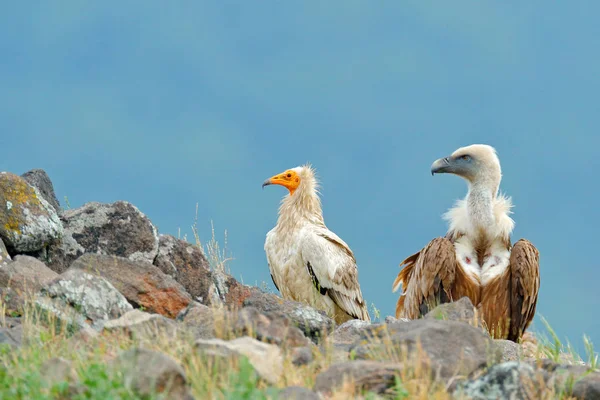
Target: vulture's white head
column 477, row 163
column 299, row 178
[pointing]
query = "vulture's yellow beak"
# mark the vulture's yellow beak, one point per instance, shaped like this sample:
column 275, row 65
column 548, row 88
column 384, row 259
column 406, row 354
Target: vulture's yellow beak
column 288, row 179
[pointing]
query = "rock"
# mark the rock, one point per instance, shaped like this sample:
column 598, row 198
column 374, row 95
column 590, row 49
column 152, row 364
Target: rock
column 314, row 324
column 265, row 358
column 21, row 279
column 510, row 380
column 371, row 376
column 142, row 325
column 187, row 264
column 149, row 372
column 11, row 336
column 199, row 319
column 350, row 331
column 302, row 355
column 11, row 322
column 27, row 222
column 450, row 348
column 231, row 293
column 461, row 310
column 297, row 393
column 587, row 387
column 578, row 380
column 118, row 229
column 142, row 284
column 57, row 370
column 91, row 296
column 59, row 316
column 511, row 351
column 276, row 329
column 4, row 256
column 39, row 179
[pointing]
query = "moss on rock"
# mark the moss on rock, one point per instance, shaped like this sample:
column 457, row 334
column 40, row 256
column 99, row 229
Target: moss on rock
column 27, row 222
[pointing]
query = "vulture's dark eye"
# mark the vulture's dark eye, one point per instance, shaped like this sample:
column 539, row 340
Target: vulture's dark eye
column 289, row 175
column 466, row 157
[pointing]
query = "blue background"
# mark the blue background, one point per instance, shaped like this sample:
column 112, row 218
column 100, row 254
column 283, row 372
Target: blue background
column 166, row 104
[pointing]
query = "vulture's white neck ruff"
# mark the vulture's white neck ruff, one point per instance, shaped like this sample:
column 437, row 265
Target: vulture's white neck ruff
column 484, row 210
column 304, row 206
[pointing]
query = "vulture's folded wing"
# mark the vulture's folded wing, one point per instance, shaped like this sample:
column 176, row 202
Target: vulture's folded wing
column 524, row 286
column 332, row 266
column 428, row 276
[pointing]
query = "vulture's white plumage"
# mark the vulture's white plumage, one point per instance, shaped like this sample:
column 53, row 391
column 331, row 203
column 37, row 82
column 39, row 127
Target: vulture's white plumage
column 475, row 258
column 308, row 262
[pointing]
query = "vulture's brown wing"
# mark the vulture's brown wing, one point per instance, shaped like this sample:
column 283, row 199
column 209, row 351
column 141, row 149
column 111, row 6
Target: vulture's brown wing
column 427, row 278
column 524, row 287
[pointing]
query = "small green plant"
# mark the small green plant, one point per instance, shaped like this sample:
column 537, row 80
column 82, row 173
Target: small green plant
column 67, row 203
column 592, row 356
column 376, row 312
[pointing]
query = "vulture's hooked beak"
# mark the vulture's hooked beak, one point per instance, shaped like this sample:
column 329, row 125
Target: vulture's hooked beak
column 266, row 183
column 441, row 166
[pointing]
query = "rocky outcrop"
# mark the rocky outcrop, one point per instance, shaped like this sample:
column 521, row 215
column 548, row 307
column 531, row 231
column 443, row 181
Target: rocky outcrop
column 28, row 223
column 117, row 229
column 142, row 284
column 119, row 277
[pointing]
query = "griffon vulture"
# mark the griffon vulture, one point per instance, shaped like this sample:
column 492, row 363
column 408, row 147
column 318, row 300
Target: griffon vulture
column 475, row 258
column 308, row 262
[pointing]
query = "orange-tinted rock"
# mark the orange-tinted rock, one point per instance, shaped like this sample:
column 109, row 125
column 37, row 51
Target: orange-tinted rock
column 142, row 284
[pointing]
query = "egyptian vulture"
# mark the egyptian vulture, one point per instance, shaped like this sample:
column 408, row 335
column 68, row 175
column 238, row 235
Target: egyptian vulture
column 308, row 262
column 475, row 258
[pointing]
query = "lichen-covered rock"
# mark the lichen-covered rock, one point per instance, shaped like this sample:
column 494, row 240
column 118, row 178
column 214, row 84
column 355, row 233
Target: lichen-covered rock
column 21, row 279
column 142, row 284
column 38, row 178
column 510, row 380
column 28, row 223
column 312, row 323
column 448, row 348
column 5, row 258
column 149, row 373
column 187, row 264
column 118, row 229
column 92, row 296
column 368, row 376
column 266, row 358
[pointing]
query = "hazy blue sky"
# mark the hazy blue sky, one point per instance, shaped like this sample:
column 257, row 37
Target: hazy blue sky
column 166, row 104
